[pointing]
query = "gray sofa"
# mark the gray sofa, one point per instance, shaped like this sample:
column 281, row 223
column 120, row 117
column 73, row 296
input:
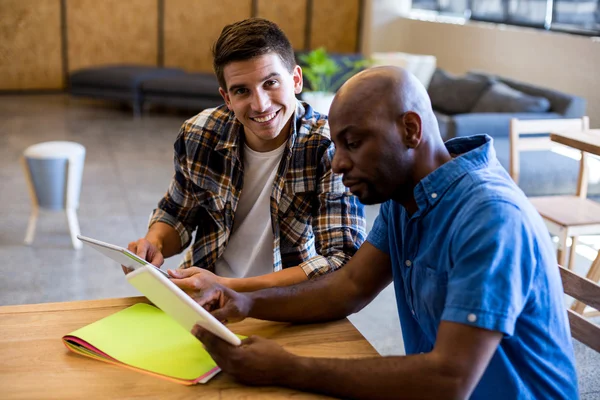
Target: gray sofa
column 479, row 103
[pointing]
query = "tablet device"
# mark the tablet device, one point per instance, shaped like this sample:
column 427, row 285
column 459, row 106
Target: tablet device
column 119, row 254
column 176, row 303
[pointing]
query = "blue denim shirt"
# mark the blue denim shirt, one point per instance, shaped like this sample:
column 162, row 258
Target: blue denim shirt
column 477, row 253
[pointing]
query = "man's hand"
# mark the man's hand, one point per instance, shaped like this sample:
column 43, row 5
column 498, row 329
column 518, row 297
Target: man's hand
column 195, row 280
column 257, row 361
column 146, row 250
column 225, row 304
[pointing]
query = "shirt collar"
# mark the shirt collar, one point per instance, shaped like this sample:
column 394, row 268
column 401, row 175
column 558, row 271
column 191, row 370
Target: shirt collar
column 230, row 138
column 470, row 153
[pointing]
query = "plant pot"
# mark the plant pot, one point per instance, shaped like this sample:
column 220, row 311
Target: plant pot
column 320, row 101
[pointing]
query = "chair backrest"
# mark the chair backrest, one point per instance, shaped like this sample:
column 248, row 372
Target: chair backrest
column 525, row 136
column 588, row 292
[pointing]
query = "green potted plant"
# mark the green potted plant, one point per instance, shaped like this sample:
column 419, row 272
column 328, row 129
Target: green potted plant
column 325, row 75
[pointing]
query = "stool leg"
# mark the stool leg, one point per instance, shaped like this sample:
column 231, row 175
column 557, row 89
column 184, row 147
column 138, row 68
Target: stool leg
column 73, row 227
column 29, row 235
column 31, row 226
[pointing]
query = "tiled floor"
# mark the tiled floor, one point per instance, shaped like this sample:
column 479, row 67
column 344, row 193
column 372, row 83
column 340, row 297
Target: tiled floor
column 127, row 169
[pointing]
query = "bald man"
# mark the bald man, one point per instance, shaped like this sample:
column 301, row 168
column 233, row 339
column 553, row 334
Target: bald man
column 477, row 286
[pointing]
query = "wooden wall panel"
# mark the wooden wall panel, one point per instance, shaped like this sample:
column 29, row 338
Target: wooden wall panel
column 289, row 15
column 112, row 31
column 192, row 26
column 30, row 45
column 334, row 25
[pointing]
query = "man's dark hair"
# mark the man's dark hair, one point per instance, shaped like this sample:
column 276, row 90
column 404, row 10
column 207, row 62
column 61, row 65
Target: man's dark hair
column 247, row 39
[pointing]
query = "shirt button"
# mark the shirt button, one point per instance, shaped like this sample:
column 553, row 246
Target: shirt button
column 434, row 195
column 472, row 317
column 408, row 263
column 413, row 312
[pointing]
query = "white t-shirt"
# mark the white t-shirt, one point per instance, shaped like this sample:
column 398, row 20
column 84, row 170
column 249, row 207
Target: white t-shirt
column 250, row 248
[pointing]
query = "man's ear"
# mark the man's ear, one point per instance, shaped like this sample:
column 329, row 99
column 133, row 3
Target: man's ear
column 298, row 82
column 411, row 121
column 225, row 97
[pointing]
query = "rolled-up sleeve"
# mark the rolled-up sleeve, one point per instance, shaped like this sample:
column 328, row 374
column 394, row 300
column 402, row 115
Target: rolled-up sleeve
column 338, row 222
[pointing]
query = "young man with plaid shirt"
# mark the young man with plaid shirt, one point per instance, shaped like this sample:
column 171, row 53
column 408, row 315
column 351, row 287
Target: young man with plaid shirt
column 253, row 178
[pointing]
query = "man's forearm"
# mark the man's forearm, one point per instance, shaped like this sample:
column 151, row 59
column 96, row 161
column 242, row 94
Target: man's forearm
column 331, row 296
column 324, row 298
column 286, row 277
column 165, row 237
column 417, row 376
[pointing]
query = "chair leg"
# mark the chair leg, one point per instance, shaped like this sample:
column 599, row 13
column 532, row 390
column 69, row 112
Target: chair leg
column 30, row 234
column 73, row 227
column 572, row 253
column 593, row 275
column 562, row 249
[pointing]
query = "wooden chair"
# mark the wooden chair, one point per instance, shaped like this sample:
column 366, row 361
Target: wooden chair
column 565, row 216
column 587, row 292
column 594, row 276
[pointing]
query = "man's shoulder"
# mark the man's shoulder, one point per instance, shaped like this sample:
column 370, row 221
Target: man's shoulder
column 313, row 125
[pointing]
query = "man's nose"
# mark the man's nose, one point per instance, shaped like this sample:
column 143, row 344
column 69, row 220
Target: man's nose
column 260, row 101
column 340, row 163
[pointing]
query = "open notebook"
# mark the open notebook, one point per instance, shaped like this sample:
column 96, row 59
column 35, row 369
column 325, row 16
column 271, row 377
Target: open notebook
column 145, row 339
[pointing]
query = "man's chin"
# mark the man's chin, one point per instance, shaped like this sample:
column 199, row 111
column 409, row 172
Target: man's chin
column 368, row 200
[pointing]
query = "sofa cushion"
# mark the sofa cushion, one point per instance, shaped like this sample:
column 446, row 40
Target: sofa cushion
column 456, row 95
column 504, row 99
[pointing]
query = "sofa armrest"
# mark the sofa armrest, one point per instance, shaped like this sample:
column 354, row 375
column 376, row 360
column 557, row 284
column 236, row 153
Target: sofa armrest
column 493, row 124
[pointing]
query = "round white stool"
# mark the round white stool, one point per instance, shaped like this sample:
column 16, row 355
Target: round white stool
column 54, row 171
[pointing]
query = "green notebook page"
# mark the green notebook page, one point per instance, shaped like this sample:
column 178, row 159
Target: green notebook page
column 145, row 337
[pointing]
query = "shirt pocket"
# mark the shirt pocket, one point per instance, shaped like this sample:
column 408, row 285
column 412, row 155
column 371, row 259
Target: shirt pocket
column 216, row 206
column 429, row 288
column 295, row 218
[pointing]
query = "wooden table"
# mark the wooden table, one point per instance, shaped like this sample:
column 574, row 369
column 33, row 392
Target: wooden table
column 588, row 141
column 34, row 363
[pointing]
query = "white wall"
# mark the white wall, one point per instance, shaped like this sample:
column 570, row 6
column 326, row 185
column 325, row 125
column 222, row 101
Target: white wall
column 564, row 62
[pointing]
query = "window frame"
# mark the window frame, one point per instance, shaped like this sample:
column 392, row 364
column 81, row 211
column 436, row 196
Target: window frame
column 549, row 23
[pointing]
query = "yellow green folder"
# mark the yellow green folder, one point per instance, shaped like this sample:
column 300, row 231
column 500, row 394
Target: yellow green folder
column 145, row 339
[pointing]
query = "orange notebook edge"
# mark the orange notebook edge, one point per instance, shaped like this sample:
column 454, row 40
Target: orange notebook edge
column 100, row 357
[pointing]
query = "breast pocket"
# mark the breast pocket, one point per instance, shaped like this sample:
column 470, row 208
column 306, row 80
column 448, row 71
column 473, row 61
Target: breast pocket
column 295, row 218
column 429, row 288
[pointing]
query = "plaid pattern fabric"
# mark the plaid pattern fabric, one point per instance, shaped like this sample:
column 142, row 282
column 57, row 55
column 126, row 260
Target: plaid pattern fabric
column 317, row 223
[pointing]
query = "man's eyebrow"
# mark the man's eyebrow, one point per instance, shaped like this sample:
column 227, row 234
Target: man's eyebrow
column 345, row 131
column 233, row 88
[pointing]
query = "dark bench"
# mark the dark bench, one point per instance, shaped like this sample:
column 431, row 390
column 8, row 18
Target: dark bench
column 189, row 91
column 117, row 82
column 141, row 85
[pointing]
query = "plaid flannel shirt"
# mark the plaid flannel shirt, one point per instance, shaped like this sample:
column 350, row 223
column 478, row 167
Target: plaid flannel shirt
column 317, row 223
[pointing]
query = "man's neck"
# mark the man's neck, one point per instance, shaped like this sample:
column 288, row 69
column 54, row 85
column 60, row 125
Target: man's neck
column 425, row 166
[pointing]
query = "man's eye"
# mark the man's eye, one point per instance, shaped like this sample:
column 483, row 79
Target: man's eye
column 271, row 83
column 353, row 145
column 240, row 91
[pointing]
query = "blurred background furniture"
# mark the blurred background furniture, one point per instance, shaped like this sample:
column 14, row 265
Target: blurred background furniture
column 53, row 171
column 566, row 216
column 478, row 103
column 190, row 91
column 584, row 291
column 592, row 299
column 420, row 65
column 116, row 82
